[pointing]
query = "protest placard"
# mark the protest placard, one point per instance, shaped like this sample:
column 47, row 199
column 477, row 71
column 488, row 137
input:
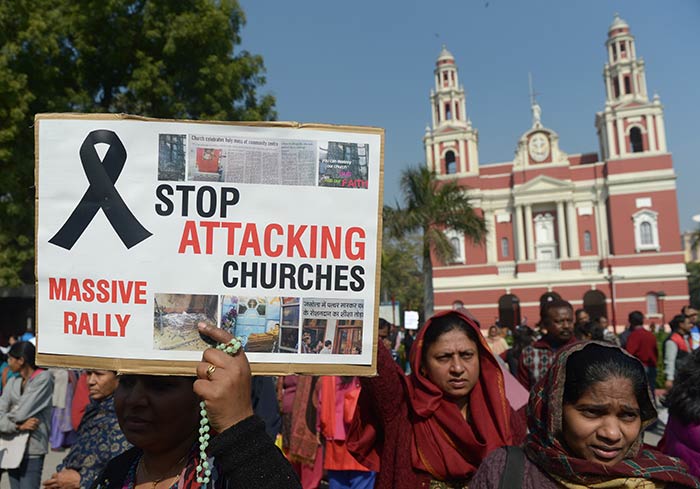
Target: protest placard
column 146, row 227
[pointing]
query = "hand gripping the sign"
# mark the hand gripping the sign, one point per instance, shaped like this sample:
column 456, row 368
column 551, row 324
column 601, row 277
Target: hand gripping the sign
column 101, row 194
column 224, row 382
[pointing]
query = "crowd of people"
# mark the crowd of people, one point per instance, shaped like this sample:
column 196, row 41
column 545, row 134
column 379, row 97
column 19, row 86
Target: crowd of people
column 565, row 403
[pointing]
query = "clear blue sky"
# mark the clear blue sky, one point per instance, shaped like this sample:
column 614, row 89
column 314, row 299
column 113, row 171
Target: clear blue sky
column 371, row 63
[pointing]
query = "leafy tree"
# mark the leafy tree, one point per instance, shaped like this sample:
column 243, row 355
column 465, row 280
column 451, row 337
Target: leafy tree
column 693, row 270
column 401, row 271
column 430, row 207
column 156, row 58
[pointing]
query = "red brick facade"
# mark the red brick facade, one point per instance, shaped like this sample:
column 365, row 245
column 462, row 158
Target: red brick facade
column 599, row 229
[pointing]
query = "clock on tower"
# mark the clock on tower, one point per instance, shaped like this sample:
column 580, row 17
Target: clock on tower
column 538, row 147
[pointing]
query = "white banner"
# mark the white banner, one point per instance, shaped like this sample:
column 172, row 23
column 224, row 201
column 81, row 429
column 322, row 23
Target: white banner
column 146, row 227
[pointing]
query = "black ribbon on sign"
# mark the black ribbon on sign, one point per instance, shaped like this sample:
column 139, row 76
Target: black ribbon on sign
column 101, row 194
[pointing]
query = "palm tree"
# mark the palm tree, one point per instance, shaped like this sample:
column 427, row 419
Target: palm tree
column 430, row 207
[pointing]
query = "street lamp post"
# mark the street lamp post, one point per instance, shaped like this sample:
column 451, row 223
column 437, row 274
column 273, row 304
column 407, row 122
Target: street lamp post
column 611, row 280
column 661, row 295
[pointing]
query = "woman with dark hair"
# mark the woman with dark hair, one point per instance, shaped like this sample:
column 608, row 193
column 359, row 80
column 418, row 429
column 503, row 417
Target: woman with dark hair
column 160, row 416
column 586, row 418
column 99, row 437
column 26, row 405
column 682, row 436
column 434, row 427
column 5, row 373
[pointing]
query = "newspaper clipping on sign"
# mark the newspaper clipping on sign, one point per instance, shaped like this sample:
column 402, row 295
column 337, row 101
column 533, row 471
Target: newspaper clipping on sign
column 147, row 227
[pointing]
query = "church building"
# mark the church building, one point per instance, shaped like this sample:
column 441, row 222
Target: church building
column 599, row 229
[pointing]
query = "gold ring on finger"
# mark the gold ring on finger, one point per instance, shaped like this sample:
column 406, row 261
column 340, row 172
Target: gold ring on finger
column 210, row 371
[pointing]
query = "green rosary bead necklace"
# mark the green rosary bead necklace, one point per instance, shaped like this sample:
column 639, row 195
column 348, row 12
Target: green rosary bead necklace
column 203, row 469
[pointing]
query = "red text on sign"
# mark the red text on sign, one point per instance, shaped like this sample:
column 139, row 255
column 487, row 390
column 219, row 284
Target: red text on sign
column 273, row 240
column 103, row 291
column 95, row 324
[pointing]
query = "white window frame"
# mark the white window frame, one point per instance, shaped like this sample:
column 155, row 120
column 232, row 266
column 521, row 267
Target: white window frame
column 652, row 301
column 505, row 247
column 587, row 241
column 650, row 217
column 452, row 234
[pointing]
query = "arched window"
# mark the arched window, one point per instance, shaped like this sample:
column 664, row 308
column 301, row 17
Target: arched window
column 457, row 242
column 652, row 304
column 636, row 140
column 505, row 251
column 448, row 112
column 450, row 163
column 646, row 236
column 587, row 243
column 646, row 231
column 455, row 245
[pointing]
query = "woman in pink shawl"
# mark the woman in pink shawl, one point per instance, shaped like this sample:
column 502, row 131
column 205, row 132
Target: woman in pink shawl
column 682, row 436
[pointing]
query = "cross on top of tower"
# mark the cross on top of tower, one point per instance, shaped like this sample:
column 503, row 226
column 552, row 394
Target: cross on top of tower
column 534, row 106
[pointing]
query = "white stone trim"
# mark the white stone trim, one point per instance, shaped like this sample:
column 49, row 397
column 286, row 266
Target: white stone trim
column 660, row 253
column 519, row 234
column 621, row 138
column 502, row 163
column 652, row 133
column 428, row 158
column 491, row 250
column 528, row 233
column 644, row 299
column 642, row 187
column 601, row 220
column 572, row 225
column 652, row 175
column 635, row 274
column 641, row 202
column 661, row 128
column 503, row 217
column 562, row 232
column 572, row 302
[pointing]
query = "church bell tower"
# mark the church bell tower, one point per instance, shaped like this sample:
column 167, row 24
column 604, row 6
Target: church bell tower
column 451, row 145
column 630, row 123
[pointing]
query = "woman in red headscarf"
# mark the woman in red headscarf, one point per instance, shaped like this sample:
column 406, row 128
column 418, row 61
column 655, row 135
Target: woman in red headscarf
column 434, row 427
